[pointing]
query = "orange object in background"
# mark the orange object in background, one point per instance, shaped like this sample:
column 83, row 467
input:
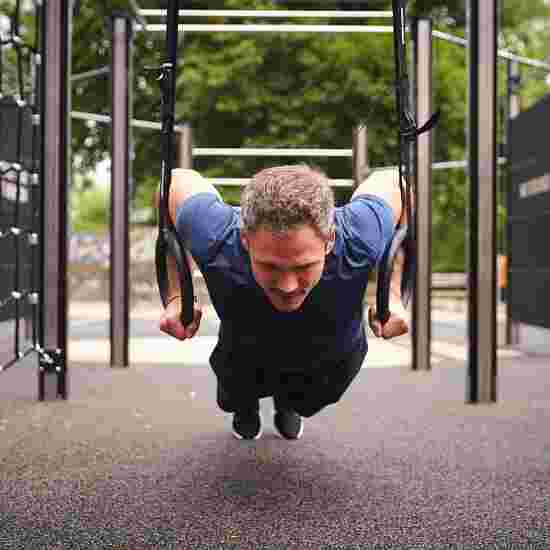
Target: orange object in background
column 502, row 271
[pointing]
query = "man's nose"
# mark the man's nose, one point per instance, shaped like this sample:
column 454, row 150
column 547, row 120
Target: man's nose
column 287, row 281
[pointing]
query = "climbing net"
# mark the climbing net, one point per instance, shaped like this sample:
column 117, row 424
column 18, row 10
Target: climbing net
column 20, row 156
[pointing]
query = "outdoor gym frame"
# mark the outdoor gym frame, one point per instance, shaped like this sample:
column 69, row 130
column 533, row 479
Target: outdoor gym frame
column 481, row 163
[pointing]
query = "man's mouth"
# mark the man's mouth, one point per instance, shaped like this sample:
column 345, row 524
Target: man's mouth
column 294, row 297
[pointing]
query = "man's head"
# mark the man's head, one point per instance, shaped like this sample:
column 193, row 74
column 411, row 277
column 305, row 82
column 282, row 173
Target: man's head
column 287, row 227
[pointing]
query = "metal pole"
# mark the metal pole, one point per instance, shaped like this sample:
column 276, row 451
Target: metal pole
column 121, row 25
column 360, row 153
column 514, row 109
column 55, row 170
column 421, row 318
column 482, row 367
column 185, row 147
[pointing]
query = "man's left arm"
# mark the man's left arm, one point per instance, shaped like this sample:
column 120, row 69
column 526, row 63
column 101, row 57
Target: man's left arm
column 385, row 184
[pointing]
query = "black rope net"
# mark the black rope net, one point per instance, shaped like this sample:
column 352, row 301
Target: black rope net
column 20, row 40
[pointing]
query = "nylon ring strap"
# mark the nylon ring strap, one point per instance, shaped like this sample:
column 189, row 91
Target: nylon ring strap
column 168, row 242
column 404, row 237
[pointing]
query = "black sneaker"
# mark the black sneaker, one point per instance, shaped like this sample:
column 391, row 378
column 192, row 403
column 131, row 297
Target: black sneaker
column 289, row 423
column 247, row 424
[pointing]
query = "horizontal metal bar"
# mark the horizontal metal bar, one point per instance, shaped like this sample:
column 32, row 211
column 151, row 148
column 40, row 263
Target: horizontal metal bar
column 90, row 74
column 450, row 165
column 136, row 123
column 263, row 151
column 106, row 119
column 289, row 14
column 270, row 152
column 450, row 38
column 524, row 60
column 239, row 182
column 227, row 151
column 504, row 54
column 458, row 164
column 276, row 28
column 334, row 29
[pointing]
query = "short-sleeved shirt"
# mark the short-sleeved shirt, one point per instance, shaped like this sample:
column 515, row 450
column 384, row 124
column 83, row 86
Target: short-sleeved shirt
column 327, row 327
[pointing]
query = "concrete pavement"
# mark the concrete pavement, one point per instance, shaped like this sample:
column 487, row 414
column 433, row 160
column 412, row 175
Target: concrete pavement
column 89, row 343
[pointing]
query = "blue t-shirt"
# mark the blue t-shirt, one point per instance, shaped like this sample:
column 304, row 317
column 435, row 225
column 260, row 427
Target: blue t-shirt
column 329, row 324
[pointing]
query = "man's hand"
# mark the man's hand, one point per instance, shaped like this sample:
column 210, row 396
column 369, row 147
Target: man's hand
column 170, row 322
column 396, row 325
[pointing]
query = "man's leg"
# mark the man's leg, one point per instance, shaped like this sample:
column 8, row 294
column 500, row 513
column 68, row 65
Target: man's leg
column 239, row 393
column 307, row 394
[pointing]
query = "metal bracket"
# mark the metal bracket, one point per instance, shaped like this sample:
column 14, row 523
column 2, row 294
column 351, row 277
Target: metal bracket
column 51, row 374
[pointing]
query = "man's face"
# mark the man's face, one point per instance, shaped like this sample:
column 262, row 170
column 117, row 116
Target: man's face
column 287, row 266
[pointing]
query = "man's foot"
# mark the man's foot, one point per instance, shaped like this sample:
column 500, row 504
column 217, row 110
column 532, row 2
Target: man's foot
column 289, row 423
column 247, row 424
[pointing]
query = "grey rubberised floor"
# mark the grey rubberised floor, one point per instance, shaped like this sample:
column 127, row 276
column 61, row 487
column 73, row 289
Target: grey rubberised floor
column 142, row 458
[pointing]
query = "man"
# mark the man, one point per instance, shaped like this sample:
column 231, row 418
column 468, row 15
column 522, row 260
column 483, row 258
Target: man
column 287, row 274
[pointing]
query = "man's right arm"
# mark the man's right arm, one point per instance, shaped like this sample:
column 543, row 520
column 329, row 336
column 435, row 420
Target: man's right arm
column 184, row 184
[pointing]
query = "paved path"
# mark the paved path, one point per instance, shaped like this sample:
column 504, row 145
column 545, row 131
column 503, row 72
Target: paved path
column 89, row 330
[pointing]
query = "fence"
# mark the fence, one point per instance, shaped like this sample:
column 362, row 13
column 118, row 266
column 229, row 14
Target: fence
column 33, row 181
column 19, row 184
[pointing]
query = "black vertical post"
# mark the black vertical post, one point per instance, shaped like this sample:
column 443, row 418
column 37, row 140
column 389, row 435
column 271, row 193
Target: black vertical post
column 514, row 109
column 482, row 366
column 421, row 318
column 121, row 27
column 360, row 155
column 55, row 102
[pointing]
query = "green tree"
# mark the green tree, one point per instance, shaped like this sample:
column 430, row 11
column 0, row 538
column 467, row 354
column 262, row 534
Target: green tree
column 295, row 90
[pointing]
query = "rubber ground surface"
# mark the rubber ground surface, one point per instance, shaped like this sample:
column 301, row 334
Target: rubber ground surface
column 142, row 458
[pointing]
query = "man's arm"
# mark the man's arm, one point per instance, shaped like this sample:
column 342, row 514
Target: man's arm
column 184, row 184
column 385, row 184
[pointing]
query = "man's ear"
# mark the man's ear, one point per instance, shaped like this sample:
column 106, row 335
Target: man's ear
column 330, row 243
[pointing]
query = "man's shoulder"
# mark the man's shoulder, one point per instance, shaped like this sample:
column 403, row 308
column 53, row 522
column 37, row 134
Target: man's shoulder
column 206, row 222
column 364, row 226
column 365, row 201
column 206, row 207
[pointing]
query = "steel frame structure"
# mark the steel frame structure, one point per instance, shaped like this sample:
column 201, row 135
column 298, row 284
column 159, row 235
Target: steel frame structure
column 482, row 366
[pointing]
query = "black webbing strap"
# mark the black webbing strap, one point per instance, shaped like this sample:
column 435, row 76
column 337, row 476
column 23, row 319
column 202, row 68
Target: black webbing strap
column 404, row 237
column 168, row 242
